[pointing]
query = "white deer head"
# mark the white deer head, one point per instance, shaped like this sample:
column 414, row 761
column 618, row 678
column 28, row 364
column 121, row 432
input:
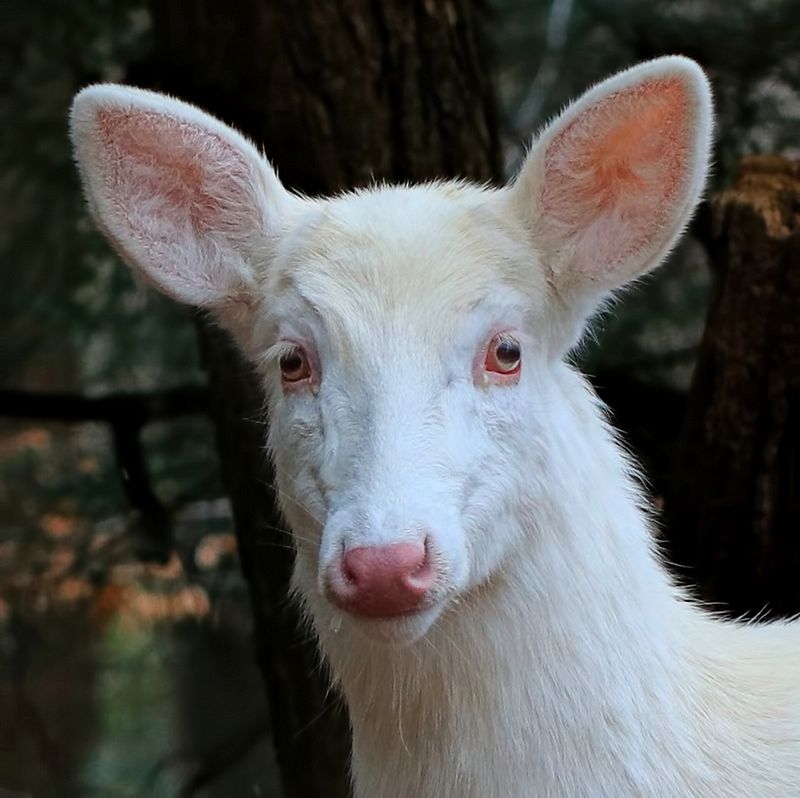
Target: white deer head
column 410, row 339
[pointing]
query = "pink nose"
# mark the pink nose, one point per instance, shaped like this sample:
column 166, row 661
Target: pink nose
column 383, row 581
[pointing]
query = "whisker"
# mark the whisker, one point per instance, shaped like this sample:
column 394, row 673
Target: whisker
column 275, row 545
column 291, row 535
column 283, row 494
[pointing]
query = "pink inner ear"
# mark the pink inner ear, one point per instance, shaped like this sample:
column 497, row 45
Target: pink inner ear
column 166, row 174
column 613, row 174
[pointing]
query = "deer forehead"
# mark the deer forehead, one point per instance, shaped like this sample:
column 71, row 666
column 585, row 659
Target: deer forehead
column 406, row 265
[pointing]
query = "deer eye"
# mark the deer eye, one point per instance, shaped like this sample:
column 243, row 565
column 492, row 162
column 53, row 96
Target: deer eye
column 503, row 356
column 294, row 366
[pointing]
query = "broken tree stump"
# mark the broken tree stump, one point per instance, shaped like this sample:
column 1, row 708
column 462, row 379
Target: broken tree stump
column 734, row 513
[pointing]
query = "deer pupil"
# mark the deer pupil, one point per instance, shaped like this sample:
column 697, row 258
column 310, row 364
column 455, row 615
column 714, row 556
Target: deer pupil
column 507, row 352
column 291, row 362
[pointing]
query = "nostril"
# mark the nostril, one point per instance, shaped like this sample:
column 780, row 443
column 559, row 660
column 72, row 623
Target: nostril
column 349, row 573
column 424, row 568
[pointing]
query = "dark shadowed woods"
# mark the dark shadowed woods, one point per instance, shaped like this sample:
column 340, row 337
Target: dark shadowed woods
column 126, row 632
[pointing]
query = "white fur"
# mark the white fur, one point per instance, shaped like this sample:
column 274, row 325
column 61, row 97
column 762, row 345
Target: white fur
column 556, row 657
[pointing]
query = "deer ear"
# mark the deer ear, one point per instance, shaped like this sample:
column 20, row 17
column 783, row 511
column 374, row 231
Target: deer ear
column 609, row 186
column 186, row 201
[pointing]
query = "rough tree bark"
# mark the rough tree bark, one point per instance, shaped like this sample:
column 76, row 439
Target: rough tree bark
column 339, row 94
column 735, row 513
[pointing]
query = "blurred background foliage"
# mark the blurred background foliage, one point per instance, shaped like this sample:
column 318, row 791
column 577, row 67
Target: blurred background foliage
column 71, row 315
column 74, row 320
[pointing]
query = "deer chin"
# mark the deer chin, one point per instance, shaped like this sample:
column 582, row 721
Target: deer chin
column 399, row 630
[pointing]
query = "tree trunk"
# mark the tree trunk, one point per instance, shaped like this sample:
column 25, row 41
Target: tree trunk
column 339, row 94
column 735, row 515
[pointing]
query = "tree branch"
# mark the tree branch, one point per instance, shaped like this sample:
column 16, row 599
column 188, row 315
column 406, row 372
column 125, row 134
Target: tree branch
column 134, row 409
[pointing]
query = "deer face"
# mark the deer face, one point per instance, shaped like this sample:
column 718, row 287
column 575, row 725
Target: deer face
column 409, row 339
column 401, row 361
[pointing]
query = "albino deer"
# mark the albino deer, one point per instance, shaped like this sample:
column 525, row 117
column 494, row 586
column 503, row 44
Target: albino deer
column 473, row 546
